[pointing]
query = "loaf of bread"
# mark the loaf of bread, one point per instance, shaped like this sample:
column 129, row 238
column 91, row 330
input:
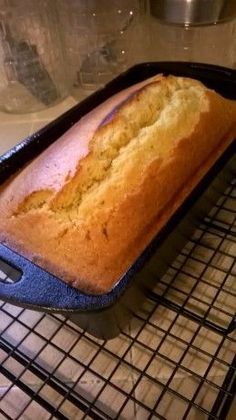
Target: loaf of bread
column 88, row 206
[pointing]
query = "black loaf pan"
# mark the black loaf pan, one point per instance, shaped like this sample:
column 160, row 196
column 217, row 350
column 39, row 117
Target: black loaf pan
column 105, row 315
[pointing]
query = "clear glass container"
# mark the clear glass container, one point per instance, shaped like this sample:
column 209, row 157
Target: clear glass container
column 32, row 74
column 101, row 40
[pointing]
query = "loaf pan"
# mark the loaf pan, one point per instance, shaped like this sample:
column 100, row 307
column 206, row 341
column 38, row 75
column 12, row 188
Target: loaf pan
column 104, row 316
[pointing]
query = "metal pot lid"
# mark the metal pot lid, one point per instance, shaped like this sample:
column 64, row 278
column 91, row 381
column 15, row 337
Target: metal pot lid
column 193, row 12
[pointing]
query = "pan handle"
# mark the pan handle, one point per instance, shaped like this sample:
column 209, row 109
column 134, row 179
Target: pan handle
column 40, row 290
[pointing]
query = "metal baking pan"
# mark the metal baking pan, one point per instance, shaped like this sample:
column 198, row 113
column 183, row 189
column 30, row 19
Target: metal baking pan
column 105, row 315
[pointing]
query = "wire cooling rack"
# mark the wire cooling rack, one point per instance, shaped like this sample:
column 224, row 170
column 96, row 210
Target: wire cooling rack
column 175, row 360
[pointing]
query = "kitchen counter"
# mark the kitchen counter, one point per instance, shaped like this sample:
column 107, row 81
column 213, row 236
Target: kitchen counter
column 89, row 364
column 15, row 127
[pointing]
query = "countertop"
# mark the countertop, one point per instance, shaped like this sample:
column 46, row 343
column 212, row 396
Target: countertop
column 15, row 127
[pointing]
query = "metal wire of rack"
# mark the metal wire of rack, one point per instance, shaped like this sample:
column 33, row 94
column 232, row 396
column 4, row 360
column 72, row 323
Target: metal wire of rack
column 176, row 359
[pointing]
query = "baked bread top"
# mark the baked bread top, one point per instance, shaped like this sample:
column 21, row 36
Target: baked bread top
column 89, row 204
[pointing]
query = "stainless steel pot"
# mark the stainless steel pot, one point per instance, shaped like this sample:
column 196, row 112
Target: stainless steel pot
column 193, row 12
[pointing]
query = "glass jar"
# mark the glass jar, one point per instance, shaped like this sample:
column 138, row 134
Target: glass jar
column 32, row 75
column 101, row 40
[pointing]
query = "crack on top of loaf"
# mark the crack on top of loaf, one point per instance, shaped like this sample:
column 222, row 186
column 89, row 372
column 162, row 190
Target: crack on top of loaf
column 109, row 144
column 61, row 235
column 105, row 231
column 142, row 111
column 35, row 201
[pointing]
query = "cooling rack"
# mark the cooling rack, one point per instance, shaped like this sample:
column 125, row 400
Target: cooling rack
column 175, row 360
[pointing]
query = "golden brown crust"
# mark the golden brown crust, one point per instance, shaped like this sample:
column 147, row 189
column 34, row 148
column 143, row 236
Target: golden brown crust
column 87, row 207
